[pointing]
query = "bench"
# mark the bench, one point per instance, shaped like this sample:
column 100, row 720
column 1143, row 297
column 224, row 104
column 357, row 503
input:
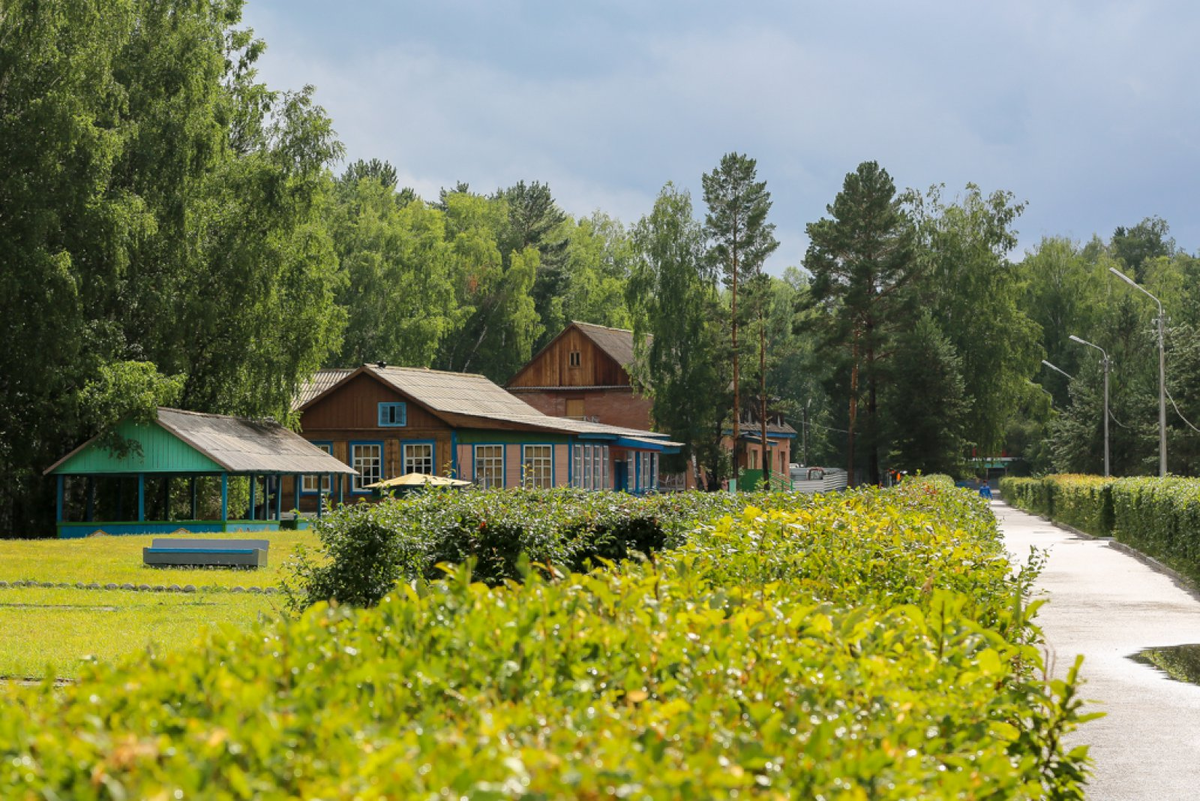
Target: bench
column 176, row 552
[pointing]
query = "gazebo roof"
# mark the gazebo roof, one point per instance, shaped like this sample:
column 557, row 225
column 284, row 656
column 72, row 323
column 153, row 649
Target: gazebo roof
column 191, row 442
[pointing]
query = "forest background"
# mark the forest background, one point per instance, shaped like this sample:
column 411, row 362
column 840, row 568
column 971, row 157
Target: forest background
column 173, row 231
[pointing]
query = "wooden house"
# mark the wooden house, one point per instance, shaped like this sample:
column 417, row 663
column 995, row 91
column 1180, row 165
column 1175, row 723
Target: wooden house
column 387, row 421
column 583, row 374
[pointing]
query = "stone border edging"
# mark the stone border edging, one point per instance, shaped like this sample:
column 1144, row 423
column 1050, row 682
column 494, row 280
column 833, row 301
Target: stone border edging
column 127, row 587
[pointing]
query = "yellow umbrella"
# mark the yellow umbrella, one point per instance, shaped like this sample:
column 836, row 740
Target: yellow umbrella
column 418, row 480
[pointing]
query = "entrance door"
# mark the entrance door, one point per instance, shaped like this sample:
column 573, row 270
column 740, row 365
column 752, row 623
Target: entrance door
column 621, row 476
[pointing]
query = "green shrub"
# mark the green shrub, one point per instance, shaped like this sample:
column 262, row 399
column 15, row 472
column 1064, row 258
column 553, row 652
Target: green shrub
column 864, row 645
column 1084, row 502
column 366, row 548
column 1160, row 517
column 1030, row 494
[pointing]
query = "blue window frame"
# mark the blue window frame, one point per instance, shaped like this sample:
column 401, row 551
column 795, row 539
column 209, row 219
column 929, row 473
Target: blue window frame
column 309, row 484
column 489, row 464
column 393, row 415
column 367, row 459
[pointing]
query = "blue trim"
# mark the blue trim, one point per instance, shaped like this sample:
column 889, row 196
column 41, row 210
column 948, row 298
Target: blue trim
column 386, row 416
column 454, row 452
column 549, row 445
column 72, row 531
column 570, row 461
column 503, row 461
column 253, row 493
column 224, row 496
column 58, row 504
column 141, row 497
column 321, row 477
column 350, row 461
column 433, row 453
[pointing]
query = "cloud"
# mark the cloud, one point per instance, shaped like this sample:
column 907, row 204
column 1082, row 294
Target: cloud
column 1086, row 110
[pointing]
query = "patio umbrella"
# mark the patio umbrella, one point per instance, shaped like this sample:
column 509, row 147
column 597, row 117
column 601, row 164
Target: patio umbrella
column 417, row 480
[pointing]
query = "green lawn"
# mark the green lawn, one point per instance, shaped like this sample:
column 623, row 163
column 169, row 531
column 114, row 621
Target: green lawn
column 118, row 560
column 57, row 628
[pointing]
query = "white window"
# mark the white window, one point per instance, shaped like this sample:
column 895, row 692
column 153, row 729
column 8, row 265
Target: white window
column 310, row 483
column 537, row 465
column 367, row 459
column 489, row 466
column 418, row 458
column 590, row 470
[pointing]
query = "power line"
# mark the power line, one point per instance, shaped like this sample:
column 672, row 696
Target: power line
column 1181, row 417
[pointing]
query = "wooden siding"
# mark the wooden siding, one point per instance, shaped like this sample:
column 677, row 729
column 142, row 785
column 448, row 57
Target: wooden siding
column 354, row 406
column 552, row 367
column 161, row 452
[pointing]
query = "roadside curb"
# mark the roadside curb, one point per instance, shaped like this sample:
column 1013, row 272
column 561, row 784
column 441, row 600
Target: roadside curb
column 188, row 588
column 1181, row 580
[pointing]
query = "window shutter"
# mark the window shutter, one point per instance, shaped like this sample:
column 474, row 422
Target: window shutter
column 383, row 414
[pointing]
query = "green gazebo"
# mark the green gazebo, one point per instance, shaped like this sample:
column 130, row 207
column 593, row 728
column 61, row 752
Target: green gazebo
column 191, row 447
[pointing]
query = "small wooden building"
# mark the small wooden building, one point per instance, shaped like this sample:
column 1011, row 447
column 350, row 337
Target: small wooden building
column 387, row 421
column 160, row 477
column 583, row 374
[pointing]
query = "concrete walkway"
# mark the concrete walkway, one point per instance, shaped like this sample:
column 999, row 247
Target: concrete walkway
column 1108, row 605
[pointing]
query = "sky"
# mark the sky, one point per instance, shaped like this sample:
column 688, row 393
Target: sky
column 1088, row 112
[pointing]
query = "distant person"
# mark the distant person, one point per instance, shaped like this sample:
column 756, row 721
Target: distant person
column 985, row 489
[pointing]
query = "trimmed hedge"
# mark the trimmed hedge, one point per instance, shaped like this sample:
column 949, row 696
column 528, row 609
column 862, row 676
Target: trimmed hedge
column 366, row 548
column 864, row 645
column 1158, row 516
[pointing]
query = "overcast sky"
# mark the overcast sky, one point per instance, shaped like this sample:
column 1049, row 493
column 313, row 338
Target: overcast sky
column 1087, row 111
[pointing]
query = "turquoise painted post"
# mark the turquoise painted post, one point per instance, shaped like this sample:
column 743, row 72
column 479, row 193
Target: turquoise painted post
column 296, row 479
column 278, row 498
column 454, row 453
column 167, row 497
column 224, row 497
column 253, row 492
column 320, row 499
column 58, row 505
column 193, row 517
column 341, row 490
column 141, row 497
column 91, row 498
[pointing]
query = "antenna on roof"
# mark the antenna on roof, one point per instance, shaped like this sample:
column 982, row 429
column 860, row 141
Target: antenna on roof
column 381, row 365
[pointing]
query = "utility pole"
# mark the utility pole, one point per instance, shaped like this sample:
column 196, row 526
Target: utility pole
column 1106, row 364
column 1162, row 370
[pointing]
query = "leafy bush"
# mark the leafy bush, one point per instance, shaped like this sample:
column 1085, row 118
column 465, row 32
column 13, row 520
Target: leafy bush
column 366, row 548
column 1160, row 517
column 771, row 655
column 1030, row 494
column 1084, row 502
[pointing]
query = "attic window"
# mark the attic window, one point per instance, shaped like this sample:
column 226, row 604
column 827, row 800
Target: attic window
column 575, row 359
column 393, row 415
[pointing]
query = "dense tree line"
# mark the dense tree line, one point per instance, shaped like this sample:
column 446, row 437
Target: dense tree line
column 174, row 231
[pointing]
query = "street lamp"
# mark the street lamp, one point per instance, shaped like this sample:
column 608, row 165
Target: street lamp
column 1162, row 371
column 1058, row 369
column 1106, row 364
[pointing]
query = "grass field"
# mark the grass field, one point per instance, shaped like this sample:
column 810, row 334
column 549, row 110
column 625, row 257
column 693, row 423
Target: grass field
column 118, row 560
column 56, row 629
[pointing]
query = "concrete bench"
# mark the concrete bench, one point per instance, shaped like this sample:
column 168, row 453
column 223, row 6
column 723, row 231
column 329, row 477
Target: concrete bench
column 206, row 553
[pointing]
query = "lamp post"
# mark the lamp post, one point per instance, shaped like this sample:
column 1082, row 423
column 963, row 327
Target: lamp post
column 1162, row 371
column 1106, row 364
column 1058, row 369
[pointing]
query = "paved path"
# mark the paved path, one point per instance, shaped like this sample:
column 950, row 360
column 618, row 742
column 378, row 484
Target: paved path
column 1108, row 605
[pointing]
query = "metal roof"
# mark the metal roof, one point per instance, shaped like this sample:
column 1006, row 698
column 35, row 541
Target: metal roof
column 323, row 380
column 616, row 342
column 245, row 446
column 236, row 445
column 470, row 399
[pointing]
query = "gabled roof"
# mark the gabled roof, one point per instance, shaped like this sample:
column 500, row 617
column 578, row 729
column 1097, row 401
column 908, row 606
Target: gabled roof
column 323, row 380
column 236, row 444
column 468, row 399
column 616, row 342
